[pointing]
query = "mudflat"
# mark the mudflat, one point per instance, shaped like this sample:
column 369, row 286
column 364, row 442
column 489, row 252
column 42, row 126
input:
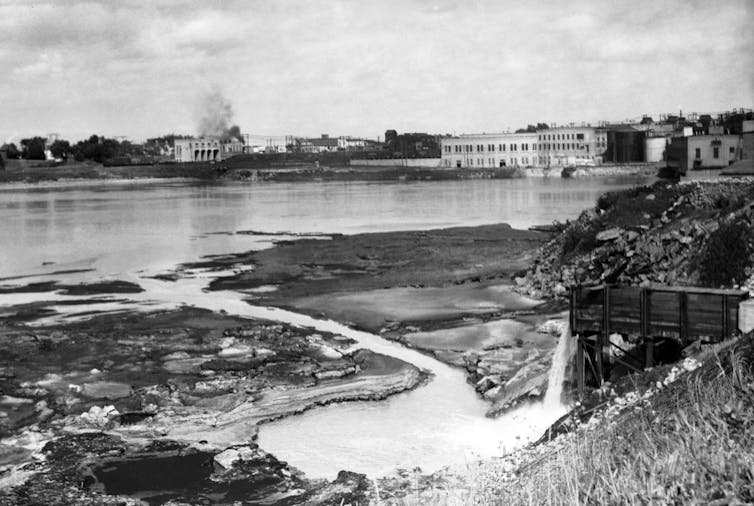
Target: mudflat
column 185, row 387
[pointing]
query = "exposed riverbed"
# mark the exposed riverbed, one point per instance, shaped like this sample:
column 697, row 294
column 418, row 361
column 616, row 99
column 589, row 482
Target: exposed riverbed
column 134, row 232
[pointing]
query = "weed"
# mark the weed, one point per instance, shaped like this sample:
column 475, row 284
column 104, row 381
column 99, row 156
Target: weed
column 726, row 255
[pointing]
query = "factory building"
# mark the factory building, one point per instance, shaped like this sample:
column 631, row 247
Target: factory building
column 571, row 145
column 489, row 150
column 206, row 149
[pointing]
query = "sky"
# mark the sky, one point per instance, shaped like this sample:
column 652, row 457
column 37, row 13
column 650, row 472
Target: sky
column 142, row 69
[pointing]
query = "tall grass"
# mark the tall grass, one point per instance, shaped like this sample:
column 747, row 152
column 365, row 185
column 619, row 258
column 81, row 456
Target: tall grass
column 691, row 443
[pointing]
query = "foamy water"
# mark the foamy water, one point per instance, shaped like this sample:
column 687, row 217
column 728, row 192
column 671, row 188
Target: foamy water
column 556, row 377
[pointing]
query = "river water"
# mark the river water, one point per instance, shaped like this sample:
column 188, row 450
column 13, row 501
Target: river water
column 133, row 230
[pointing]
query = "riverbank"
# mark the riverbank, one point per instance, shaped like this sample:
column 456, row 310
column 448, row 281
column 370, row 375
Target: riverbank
column 252, row 169
column 182, row 387
column 676, row 433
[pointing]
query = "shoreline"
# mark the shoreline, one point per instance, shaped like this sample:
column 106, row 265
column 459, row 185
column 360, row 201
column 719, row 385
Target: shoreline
column 77, row 173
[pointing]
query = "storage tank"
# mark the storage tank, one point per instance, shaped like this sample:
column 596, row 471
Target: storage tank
column 654, row 148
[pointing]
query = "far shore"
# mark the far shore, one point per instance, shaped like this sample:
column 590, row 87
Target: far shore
column 23, row 172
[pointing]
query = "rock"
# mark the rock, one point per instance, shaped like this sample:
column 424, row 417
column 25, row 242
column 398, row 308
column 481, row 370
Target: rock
column 493, row 392
column 336, row 373
column 106, row 390
column 99, row 417
column 651, row 196
column 238, row 350
column 610, row 234
column 231, row 456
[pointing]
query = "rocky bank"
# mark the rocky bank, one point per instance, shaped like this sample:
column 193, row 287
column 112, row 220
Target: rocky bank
column 89, row 408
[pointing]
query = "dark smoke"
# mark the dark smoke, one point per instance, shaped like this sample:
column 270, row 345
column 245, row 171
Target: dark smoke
column 215, row 115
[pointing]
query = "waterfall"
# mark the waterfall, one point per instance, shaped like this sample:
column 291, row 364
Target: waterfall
column 558, row 369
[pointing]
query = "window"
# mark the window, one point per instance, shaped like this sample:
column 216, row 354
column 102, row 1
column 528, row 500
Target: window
column 716, row 152
column 471, row 161
column 502, row 147
column 580, row 137
column 732, row 150
column 697, row 153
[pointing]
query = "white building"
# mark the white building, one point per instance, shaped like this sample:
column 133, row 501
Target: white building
column 489, row 150
column 351, row 144
column 206, row 149
column 571, row 145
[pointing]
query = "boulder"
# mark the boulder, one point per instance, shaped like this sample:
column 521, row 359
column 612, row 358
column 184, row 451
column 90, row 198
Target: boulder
column 610, row 234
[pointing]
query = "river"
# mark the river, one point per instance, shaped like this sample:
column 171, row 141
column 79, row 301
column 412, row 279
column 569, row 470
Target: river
column 134, row 230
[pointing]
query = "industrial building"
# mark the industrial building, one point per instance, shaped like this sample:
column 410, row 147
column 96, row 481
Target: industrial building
column 704, row 152
column 571, row 145
column 206, row 149
column 489, row 150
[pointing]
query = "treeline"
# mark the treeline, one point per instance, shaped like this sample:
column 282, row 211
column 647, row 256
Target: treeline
column 96, row 148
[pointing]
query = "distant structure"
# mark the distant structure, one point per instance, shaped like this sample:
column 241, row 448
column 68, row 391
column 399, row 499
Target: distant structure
column 490, row 150
column 711, row 143
column 550, row 147
column 571, row 145
column 206, row 149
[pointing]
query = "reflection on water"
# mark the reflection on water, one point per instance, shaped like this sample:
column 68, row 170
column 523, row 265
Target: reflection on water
column 119, row 228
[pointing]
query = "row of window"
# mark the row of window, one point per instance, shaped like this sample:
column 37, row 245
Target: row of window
column 561, row 137
column 715, row 152
column 480, row 148
column 490, row 162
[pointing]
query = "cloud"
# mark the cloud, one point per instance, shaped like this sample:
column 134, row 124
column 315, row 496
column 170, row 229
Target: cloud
column 308, row 67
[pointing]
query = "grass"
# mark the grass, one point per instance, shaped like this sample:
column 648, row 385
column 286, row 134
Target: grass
column 690, row 443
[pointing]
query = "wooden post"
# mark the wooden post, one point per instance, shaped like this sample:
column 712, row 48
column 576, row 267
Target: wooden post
column 725, row 316
column 572, row 303
column 649, row 342
column 683, row 317
column 604, row 335
column 580, row 372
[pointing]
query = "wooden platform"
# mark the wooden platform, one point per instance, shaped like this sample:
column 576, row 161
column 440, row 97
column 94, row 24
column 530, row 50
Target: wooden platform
column 684, row 314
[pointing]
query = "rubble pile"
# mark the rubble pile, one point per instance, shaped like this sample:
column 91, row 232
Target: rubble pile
column 651, row 234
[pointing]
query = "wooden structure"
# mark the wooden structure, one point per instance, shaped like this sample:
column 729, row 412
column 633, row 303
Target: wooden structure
column 655, row 314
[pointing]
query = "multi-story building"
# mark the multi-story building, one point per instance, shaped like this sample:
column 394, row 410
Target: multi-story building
column 489, row 150
column 571, row 145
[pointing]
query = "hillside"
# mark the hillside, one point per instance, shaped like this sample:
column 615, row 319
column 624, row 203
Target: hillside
column 694, row 234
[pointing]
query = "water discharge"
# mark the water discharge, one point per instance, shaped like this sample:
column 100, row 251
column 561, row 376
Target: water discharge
column 556, row 377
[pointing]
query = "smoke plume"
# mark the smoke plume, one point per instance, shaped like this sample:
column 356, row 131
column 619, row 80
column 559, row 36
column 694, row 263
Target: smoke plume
column 215, row 115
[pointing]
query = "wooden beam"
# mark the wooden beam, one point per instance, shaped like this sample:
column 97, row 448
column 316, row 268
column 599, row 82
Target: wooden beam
column 580, row 372
column 604, row 335
column 645, row 303
column 683, row 317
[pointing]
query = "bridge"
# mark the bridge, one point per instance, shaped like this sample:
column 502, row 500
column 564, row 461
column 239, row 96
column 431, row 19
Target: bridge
column 653, row 316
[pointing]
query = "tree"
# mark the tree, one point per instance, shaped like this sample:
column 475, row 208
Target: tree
column 34, row 148
column 13, row 152
column 60, row 149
